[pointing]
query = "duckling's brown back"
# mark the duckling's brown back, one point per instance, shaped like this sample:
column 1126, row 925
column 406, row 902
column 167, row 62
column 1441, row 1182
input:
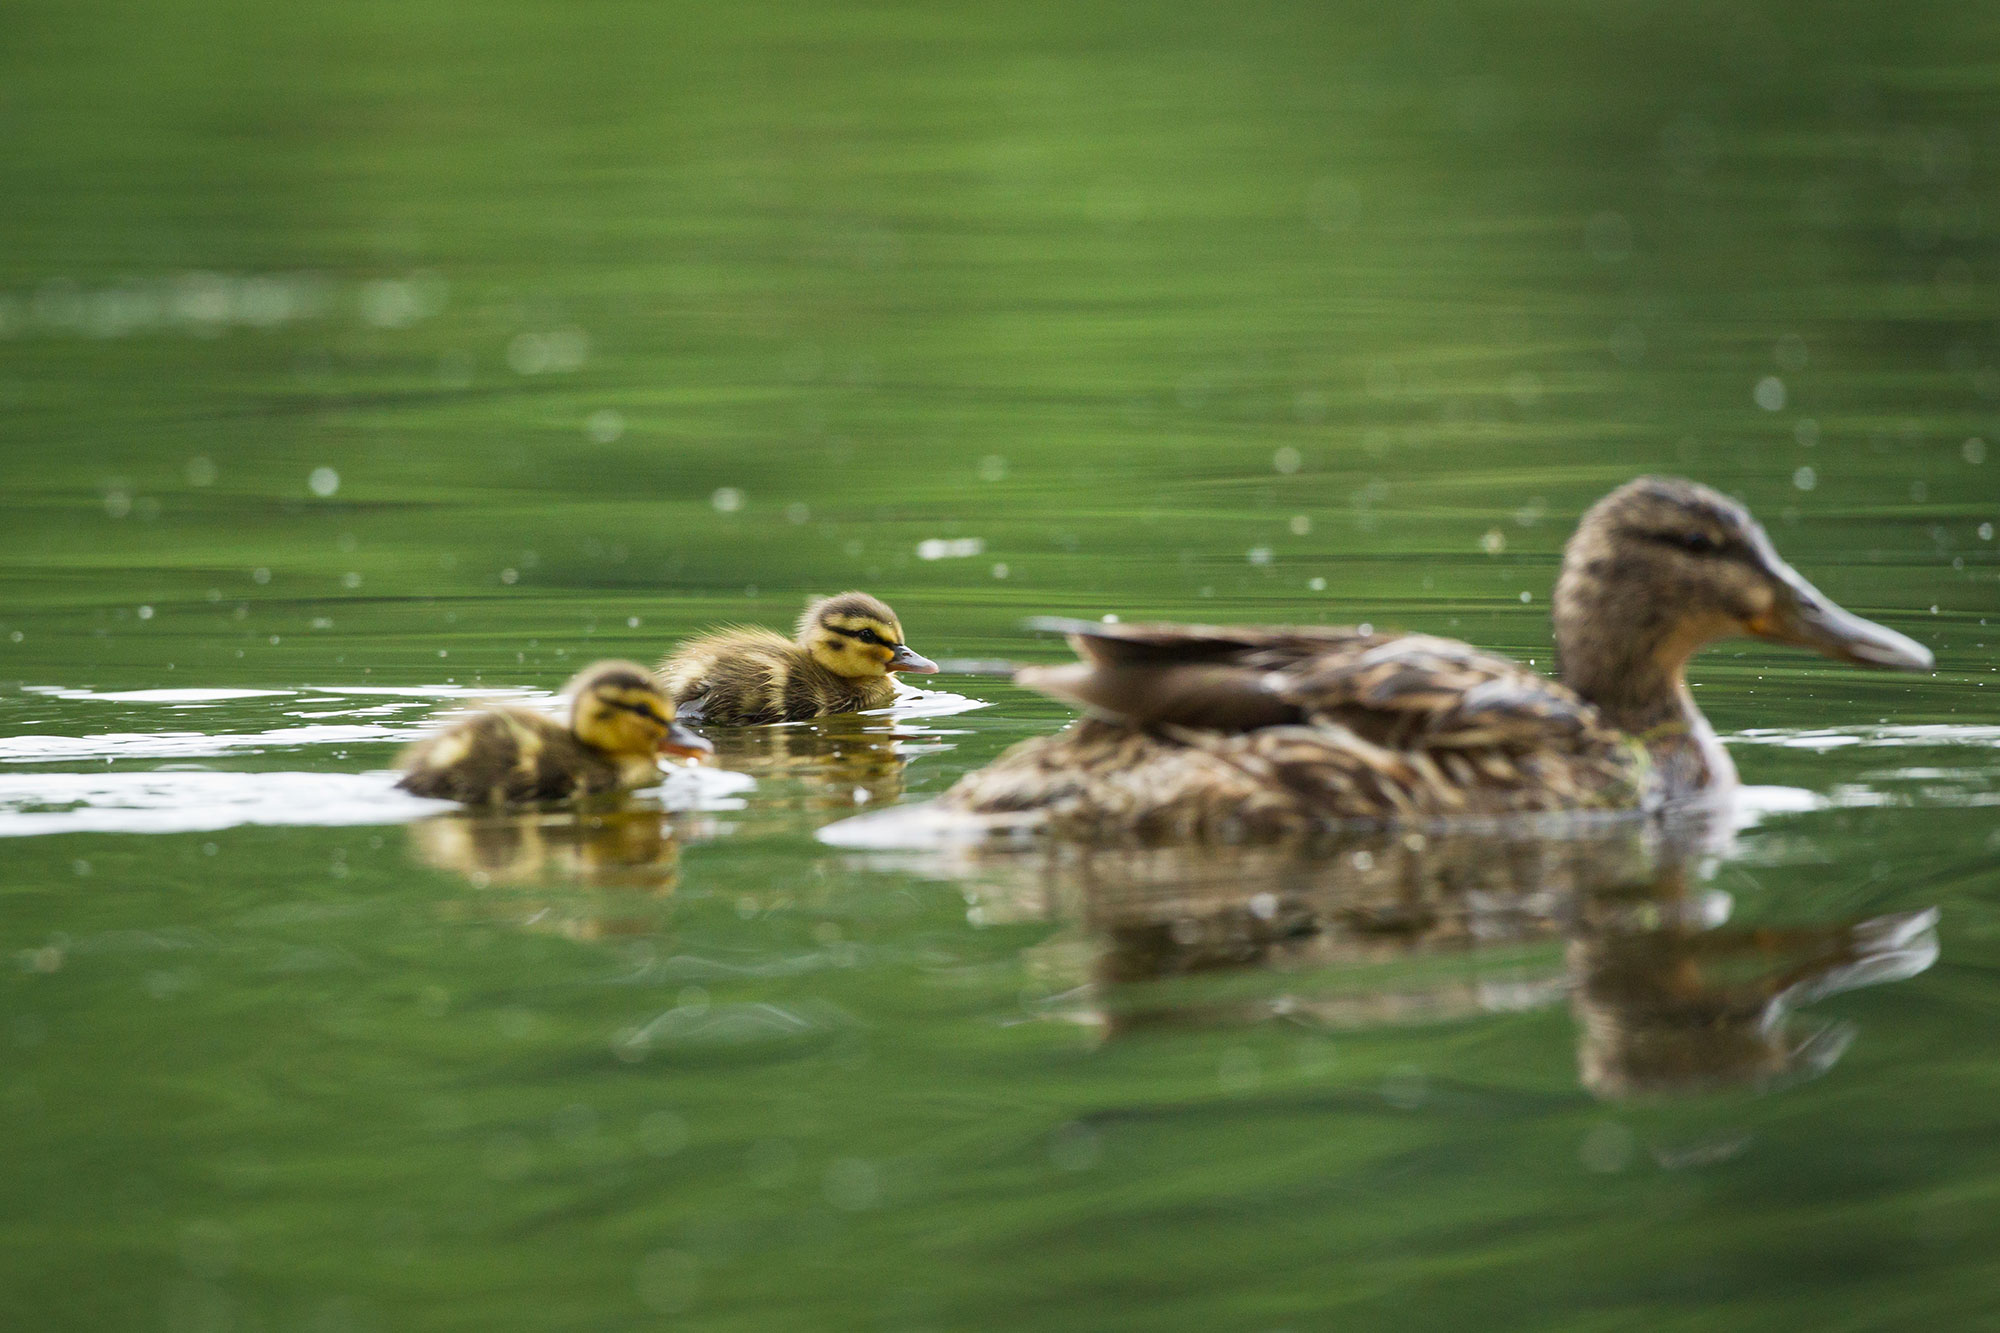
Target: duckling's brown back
column 735, row 677
column 504, row 756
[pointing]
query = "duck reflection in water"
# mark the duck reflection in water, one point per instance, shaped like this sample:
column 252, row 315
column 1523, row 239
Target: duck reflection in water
column 1384, row 929
column 635, row 852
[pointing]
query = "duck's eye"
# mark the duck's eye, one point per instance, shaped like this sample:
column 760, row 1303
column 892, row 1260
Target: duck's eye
column 1694, row 543
column 870, row 636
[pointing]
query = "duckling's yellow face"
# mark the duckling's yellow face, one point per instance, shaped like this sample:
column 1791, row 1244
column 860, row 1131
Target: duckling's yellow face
column 620, row 710
column 856, row 636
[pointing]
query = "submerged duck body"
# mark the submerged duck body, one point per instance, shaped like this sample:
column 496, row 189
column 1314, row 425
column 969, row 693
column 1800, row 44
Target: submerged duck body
column 1199, row 732
column 620, row 723
column 847, row 651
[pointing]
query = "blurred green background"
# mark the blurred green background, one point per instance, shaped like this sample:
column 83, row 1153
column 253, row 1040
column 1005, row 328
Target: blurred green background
column 446, row 343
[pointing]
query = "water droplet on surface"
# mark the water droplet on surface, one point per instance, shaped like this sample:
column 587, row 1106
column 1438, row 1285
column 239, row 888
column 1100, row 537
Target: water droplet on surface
column 1628, row 344
column 726, row 500
column 200, row 471
column 1286, row 460
column 1606, row 1148
column 604, row 426
column 1805, row 478
column 1494, row 542
column 1259, row 555
column 324, row 482
column 667, row 1281
column 1239, row 1070
column 1973, row 451
column 662, row 1133
column 1405, row 1088
column 957, row 548
column 1075, row 1147
column 1608, row 238
column 1301, row 525
column 1769, row 394
column 852, row 1185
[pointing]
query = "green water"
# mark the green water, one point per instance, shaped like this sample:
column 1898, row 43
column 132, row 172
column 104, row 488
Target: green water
column 378, row 347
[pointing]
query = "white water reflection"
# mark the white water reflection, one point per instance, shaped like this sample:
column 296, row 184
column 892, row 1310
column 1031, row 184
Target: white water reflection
column 199, row 800
column 1837, row 738
column 327, row 719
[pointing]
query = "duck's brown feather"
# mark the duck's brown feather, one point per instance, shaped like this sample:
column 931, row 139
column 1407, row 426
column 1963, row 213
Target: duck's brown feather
column 1247, row 732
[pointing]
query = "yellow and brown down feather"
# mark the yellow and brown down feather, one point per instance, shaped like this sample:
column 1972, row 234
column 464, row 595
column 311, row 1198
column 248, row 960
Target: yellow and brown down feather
column 841, row 661
column 619, row 721
column 506, row 756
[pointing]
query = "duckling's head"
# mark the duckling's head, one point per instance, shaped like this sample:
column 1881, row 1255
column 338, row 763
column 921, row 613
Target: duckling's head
column 1661, row 566
column 855, row 635
column 618, row 708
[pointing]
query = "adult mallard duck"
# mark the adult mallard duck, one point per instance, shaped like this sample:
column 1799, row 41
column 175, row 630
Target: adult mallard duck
column 847, row 649
column 1222, row 732
column 620, row 722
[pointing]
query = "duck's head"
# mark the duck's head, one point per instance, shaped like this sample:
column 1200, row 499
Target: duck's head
column 618, row 708
column 1660, row 567
column 855, row 635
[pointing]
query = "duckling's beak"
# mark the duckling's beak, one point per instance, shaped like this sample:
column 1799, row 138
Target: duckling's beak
column 916, row 663
column 684, row 743
column 1804, row 616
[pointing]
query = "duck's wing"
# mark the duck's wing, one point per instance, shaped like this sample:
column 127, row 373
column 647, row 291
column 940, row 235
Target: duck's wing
column 1417, row 691
column 1224, row 678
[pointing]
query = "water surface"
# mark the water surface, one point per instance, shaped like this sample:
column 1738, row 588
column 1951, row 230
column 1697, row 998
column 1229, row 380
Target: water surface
column 355, row 363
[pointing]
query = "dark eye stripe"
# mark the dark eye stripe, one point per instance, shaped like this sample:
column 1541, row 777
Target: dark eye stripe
column 1694, row 543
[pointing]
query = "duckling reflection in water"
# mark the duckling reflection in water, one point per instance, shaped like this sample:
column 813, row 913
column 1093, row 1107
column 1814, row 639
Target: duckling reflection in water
column 1381, row 930
column 634, row 851
column 847, row 651
column 837, row 763
column 1228, row 733
column 619, row 848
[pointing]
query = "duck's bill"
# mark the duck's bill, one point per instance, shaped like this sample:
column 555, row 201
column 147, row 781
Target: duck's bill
column 684, row 744
column 914, row 663
column 1807, row 619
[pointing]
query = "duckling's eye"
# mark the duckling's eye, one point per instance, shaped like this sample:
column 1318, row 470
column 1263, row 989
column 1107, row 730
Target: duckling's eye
column 870, row 636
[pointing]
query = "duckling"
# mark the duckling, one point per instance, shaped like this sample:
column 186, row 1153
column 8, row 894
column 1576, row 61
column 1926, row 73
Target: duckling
column 620, row 721
column 847, row 648
column 1246, row 733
